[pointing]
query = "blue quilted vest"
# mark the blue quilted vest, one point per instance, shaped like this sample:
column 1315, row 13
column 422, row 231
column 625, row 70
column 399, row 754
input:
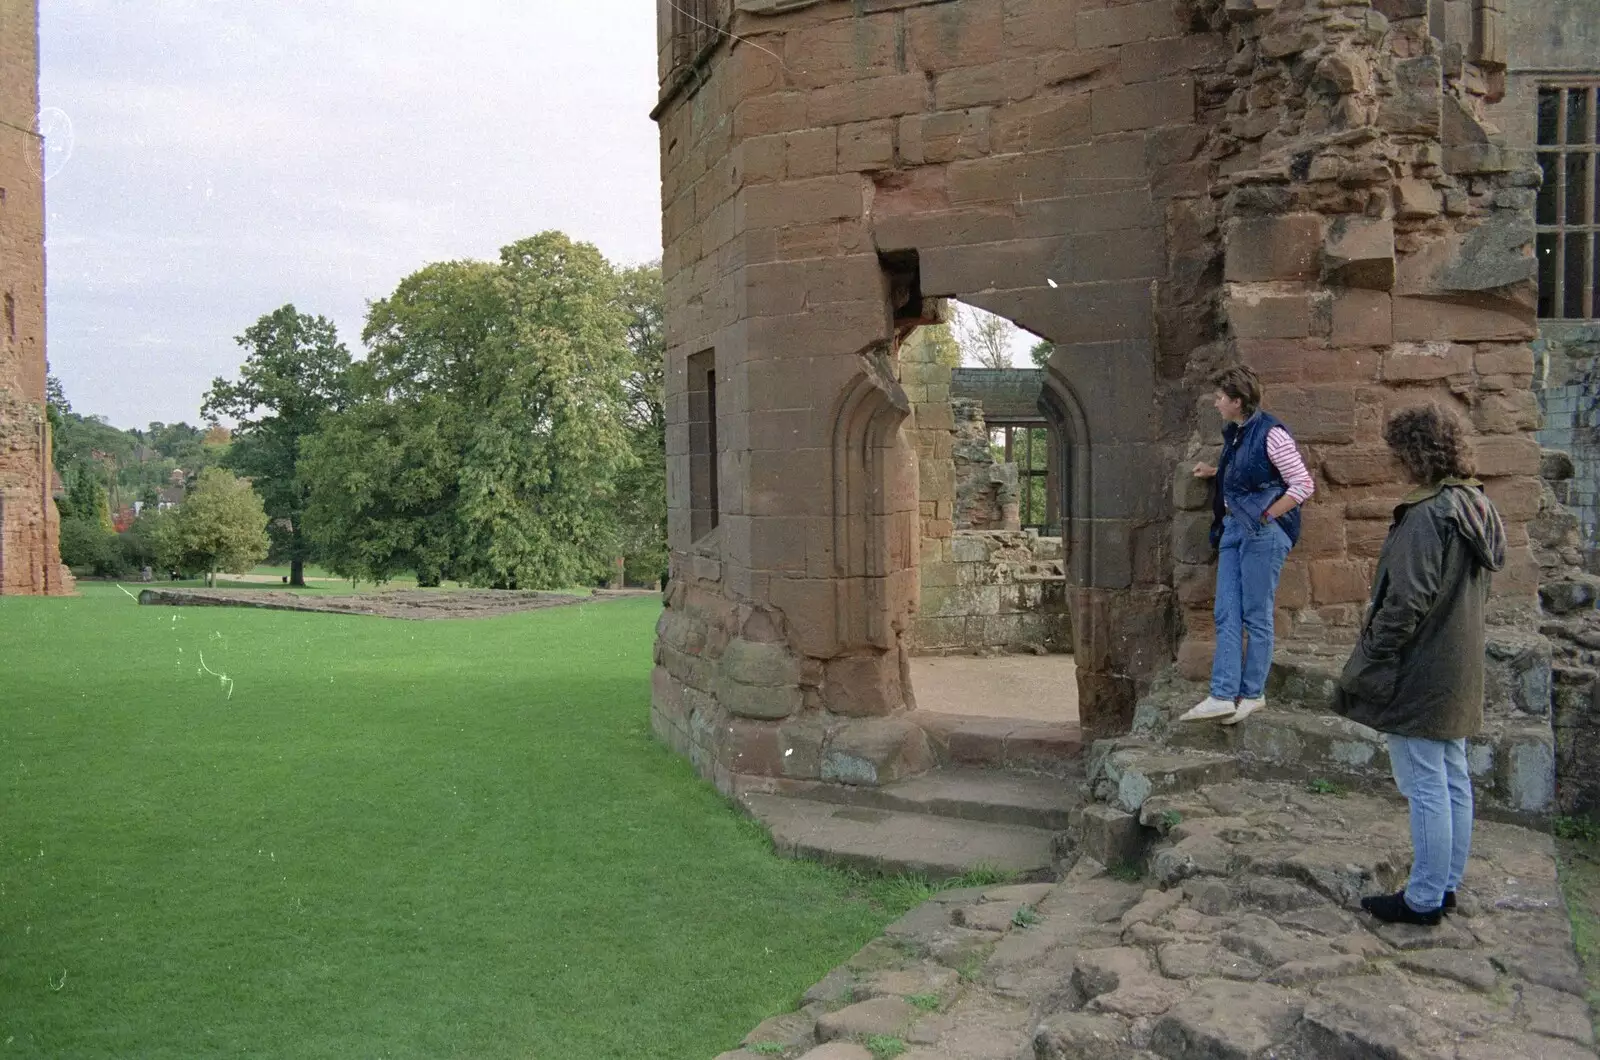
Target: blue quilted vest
column 1248, row 483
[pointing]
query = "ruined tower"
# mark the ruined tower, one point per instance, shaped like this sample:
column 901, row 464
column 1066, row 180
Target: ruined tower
column 29, row 560
column 1158, row 188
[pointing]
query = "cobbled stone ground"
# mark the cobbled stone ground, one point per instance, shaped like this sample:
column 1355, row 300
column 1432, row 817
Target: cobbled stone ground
column 1244, row 941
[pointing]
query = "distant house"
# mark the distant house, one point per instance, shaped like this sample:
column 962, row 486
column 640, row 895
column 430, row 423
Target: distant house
column 170, row 497
column 123, row 519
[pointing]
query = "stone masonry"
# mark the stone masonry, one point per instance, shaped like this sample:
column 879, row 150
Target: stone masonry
column 1158, row 188
column 29, row 561
column 1243, row 940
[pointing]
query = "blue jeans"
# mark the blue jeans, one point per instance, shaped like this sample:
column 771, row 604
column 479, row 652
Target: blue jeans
column 1432, row 775
column 1248, row 565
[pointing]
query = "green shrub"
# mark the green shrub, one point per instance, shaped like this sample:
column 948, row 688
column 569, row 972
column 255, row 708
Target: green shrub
column 88, row 546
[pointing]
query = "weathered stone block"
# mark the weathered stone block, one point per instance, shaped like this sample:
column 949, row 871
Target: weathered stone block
column 1269, row 316
column 769, row 665
column 1316, row 414
column 1273, row 248
column 1425, row 362
column 1430, row 320
column 1191, row 537
column 876, row 751
column 1360, row 252
column 758, row 701
column 1362, row 318
column 1517, row 672
column 1129, row 23
column 1357, row 467
column 1506, row 454
column 1416, row 199
column 1142, row 106
column 976, row 86
column 1110, row 836
column 945, row 136
column 1525, row 769
column 1335, row 581
column 865, row 146
column 1190, row 492
column 1418, row 96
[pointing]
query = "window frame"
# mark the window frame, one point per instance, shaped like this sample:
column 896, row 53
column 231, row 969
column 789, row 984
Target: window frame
column 1560, row 232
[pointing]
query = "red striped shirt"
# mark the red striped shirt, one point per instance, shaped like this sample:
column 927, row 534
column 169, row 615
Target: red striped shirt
column 1286, row 458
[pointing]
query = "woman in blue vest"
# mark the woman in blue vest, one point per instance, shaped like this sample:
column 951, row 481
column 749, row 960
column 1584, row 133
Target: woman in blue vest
column 1261, row 483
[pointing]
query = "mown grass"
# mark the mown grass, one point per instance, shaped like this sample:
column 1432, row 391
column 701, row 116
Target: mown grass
column 1578, row 856
column 344, row 836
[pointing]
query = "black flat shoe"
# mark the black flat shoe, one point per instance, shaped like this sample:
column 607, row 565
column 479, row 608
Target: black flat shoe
column 1392, row 909
column 1449, row 903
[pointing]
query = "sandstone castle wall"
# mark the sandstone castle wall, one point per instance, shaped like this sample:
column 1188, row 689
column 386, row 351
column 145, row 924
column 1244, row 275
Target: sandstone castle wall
column 1159, row 188
column 29, row 561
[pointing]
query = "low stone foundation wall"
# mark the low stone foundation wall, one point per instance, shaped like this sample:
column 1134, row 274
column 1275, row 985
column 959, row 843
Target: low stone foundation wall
column 995, row 589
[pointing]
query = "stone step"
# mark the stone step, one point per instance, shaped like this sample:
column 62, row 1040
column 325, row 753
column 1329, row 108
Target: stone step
column 1512, row 760
column 1126, row 773
column 1002, row 743
column 1293, row 744
column 893, row 841
column 1034, row 800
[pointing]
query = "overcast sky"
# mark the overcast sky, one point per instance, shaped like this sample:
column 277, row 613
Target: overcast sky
column 228, row 156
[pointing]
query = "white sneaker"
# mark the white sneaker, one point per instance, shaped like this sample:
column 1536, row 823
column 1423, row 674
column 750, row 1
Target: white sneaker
column 1245, row 708
column 1209, row 709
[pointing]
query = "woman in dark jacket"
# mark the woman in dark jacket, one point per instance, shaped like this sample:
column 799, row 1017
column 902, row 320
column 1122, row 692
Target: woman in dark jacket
column 1417, row 672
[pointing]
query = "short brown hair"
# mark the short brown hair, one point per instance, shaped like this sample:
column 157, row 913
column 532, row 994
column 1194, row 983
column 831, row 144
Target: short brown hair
column 1242, row 384
column 1431, row 443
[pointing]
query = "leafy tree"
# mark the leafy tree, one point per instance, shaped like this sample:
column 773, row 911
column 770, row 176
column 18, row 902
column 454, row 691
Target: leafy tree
column 985, row 338
column 296, row 373
column 86, row 498
column 1041, row 352
column 221, row 525
column 57, row 407
column 151, row 540
column 642, row 488
column 490, row 425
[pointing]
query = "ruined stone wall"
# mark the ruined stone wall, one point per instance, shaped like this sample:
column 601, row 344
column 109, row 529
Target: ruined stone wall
column 29, row 561
column 987, row 496
column 1376, row 253
column 1007, row 590
column 1158, row 188
column 1567, row 374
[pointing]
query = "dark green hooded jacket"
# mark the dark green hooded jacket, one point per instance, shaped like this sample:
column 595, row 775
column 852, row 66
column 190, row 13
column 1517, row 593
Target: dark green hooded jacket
column 1418, row 668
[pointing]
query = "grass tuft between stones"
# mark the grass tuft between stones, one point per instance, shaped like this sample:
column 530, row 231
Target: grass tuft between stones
column 884, row 1046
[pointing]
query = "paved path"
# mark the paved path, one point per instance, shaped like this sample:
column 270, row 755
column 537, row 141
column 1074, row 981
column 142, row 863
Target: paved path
column 1244, row 942
column 1033, row 687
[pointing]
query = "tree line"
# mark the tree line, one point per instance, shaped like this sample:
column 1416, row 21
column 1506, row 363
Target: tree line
column 505, row 429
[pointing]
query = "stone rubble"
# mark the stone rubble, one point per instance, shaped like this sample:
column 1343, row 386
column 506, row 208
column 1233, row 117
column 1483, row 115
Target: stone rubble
column 1262, row 953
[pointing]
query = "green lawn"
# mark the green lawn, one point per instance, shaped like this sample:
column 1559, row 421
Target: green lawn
column 394, row 839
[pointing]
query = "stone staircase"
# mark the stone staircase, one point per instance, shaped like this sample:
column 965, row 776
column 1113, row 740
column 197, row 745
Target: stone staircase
column 1002, row 796
column 1135, row 781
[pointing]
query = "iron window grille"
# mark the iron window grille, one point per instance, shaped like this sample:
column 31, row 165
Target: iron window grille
column 1567, row 228
column 1028, row 446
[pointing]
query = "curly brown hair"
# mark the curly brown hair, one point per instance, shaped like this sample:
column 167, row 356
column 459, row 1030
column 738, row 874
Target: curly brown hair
column 1431, row 443
column 1241, row 383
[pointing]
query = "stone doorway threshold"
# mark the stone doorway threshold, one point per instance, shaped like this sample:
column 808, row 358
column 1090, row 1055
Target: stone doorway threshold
column 1005, row 712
